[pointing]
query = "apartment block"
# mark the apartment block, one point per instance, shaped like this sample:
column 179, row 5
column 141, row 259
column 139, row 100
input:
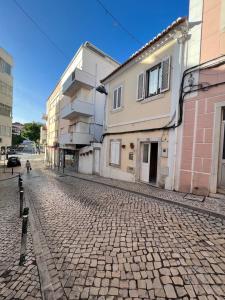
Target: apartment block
column 75, row 110
column 6, row 99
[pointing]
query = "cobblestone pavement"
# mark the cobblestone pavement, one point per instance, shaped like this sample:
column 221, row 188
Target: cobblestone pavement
column 214, row 205
column 105, row 243
column 16, row 282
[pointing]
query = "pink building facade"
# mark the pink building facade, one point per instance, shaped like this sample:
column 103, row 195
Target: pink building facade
column 201, row 167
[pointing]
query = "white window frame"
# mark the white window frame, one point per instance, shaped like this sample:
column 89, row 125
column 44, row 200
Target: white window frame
column 143, row 87
column 159, row 64
column 111, row 163
column 117, row 89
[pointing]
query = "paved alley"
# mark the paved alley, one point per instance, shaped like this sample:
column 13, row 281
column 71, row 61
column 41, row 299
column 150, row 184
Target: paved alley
column 105, row 243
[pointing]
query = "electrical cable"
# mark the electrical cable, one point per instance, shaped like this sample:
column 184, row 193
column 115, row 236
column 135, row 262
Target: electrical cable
column 183, row 94
column 41, row 30
column 119, row 23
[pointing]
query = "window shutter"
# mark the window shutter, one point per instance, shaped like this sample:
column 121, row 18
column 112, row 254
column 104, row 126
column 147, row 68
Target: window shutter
column 165, row 84
column 114, row 99
column 115, row 153
column 119, row 97
column 140, row 88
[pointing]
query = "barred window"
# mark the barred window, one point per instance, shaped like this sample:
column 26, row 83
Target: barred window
column 5, row 89
column 5, row 67
column 5, row 110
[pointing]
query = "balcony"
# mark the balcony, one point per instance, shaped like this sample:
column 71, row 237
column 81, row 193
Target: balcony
column 75, row 138
column 77, row 108
column 44, row 117
column 76, row 80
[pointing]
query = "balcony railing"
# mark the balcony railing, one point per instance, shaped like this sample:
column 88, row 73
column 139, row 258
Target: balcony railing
column 76, row 108
column 74, row 138
column 77, row 79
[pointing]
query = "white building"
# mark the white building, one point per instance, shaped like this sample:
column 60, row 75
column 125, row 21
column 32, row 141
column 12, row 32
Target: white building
column 79, row 122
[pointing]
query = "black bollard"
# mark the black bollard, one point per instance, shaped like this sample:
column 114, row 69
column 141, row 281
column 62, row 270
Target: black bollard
column 21, row 201
column 24, row 236
column 12, row 171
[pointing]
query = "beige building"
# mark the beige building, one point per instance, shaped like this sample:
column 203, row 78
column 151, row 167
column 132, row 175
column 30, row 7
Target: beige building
column 142, row 111
column 6, row 98
column 52, row 125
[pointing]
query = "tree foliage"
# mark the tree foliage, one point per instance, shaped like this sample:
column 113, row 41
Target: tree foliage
column 17, row 139
column 31, row 131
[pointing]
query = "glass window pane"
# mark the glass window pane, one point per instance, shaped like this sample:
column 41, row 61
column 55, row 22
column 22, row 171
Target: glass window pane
column 153, row 81
column 145, row 153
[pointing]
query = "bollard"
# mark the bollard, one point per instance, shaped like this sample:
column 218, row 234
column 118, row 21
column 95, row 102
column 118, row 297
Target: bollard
column 12, row 171
column 20, row 182
column 24, row 236
column 19, row 178
column 21, row 201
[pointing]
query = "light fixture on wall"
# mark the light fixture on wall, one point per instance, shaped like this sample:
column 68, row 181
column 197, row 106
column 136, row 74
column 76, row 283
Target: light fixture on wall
column 132, row 145
column 191, row 80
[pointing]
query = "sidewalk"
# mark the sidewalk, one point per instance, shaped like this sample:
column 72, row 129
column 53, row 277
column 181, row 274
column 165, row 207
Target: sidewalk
column 16, row 282
column 209, row 205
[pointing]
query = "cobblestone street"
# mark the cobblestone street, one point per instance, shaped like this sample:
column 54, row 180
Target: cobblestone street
column 105, row 243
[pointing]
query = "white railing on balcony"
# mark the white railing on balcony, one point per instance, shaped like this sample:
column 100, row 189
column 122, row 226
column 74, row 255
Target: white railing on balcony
column 77, row 107
column 73, row 138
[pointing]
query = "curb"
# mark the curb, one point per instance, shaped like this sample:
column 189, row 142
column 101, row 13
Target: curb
column 45, row 281
column 178, row 203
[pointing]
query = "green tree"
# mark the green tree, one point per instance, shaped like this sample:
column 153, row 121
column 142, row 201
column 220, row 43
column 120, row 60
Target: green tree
column 31, row 131
column 17, row 139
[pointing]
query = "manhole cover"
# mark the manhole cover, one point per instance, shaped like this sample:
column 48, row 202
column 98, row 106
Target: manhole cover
column 194, row 197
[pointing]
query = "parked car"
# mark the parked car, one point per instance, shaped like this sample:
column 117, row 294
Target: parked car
column 13, row 161
column 11, row 151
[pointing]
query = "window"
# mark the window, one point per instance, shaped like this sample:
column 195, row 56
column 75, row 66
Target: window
column 5, row 89
column 5, row 110
column 115, row 147
column 5, row 67
column 145, row 153
column 154, row 81
column 158, row 78
column 117, row 97
column 140, row 87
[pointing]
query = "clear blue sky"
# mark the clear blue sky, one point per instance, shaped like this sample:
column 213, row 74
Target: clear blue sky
column 69, row 23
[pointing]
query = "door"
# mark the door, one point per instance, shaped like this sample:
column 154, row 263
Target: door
column 145, row 161
column 149, row 162
column 96, row 161
column 222, row 154
column 153, row 163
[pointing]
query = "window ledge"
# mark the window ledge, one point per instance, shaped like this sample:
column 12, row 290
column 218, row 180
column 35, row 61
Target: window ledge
column 117, row 109
column 152, row 98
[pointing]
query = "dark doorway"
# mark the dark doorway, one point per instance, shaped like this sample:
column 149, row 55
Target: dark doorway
column 153, row 162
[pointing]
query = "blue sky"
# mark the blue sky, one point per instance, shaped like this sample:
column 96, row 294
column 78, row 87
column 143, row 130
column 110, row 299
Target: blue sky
column 69, row 23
